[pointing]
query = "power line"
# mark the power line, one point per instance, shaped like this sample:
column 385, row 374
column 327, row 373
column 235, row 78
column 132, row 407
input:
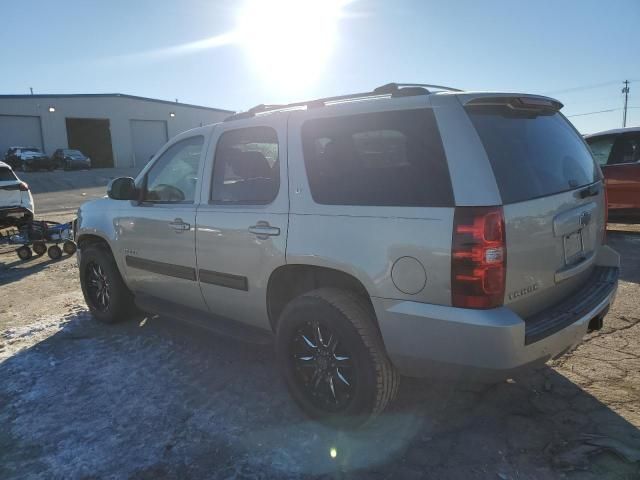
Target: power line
column 593, row 113
column 599, row 111
column 586, row 87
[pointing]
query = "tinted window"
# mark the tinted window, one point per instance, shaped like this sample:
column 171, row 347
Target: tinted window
column 626, row 149
column 246, row 167
column 384, row 158
column 6, row 175
column 532, row 155
column 173, row 177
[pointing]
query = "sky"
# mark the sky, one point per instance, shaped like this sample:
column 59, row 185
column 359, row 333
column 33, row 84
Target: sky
column 237, row 54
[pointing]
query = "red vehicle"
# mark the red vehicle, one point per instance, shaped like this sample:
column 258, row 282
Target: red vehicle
column 618, row 154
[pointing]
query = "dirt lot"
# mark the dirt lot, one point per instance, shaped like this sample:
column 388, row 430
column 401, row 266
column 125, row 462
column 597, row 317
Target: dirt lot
column 152, row 399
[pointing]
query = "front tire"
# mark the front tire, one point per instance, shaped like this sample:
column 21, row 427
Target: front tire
column 105, row 293
column 333, row 358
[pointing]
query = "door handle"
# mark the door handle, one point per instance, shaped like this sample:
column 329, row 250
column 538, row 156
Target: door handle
column 179, row 226
column 263, row 230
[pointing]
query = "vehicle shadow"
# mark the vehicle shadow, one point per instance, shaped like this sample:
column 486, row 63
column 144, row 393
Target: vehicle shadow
column 9, row 273
column 153, row 398
column 627, row 244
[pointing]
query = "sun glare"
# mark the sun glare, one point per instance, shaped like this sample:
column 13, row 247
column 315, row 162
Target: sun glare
column 289, row 42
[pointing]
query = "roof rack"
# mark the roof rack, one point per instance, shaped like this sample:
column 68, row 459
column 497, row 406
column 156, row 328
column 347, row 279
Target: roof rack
column 390, row 89
column 396, row 88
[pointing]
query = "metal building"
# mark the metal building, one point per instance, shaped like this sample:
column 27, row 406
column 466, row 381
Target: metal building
column 115, row 130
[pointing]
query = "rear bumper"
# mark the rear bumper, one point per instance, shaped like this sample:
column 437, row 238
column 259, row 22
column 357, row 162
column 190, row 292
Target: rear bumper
column 12, row 216
column 426, row 340
column 15, row 211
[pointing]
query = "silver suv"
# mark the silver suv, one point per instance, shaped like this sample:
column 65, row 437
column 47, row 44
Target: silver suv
column 413, row 230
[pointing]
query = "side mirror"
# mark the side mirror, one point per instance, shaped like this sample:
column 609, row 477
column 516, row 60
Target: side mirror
column 122, row 188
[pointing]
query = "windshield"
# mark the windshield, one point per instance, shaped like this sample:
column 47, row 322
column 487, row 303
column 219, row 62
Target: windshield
column 31, row 150
column 532, row 155
column 74, row 154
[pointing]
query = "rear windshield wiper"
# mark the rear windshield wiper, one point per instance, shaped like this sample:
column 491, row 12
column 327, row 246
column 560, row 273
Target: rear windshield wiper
column 590, row 191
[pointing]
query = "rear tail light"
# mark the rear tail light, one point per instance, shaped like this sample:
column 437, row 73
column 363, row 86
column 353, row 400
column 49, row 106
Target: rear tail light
column 23, row 187
column 478, row 257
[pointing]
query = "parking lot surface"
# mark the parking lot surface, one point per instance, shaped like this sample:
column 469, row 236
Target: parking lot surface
column 62, row 192
column 151, row 399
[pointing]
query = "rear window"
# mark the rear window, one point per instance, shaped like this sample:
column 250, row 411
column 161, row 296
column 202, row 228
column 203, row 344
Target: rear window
column 384, row 159
column 6, row 175
column 532, row 155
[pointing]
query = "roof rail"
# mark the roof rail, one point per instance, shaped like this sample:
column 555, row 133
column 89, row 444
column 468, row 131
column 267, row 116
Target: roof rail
column 390, row 89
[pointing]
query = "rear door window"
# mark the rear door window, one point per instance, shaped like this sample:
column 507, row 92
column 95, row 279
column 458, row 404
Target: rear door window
column 532, row 155
column 626, row 149
column 385, row 159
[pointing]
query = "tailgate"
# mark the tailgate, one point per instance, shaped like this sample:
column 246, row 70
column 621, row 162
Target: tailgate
column 10, row 195
column 552, row 195
column 552, row 244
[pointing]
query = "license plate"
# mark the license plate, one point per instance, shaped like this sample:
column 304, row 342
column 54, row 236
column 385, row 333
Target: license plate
column 573, row 246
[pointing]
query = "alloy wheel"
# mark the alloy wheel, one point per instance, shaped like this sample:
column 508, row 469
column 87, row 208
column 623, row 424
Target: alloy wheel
column 98, row 286
column 323, row 367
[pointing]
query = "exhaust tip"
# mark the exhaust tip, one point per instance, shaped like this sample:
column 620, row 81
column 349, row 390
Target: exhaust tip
column 596, row 323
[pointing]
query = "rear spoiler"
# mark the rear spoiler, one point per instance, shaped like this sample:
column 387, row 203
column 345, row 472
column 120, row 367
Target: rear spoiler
column 519, row 102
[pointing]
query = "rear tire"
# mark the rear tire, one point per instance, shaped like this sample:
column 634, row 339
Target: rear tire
column 97, row 269
column 342, row 375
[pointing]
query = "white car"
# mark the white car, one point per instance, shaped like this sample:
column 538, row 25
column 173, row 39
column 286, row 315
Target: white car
column 16, row 202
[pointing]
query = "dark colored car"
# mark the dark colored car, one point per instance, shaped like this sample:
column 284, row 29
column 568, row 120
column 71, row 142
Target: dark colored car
column 69, row 159
column 27, row 159
column 618, row 153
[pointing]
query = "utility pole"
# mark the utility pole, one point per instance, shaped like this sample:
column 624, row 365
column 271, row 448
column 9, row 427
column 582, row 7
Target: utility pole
column 625, row 90
column 31, row 90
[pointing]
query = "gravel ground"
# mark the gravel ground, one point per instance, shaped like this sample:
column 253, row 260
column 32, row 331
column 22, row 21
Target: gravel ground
column 153, row 399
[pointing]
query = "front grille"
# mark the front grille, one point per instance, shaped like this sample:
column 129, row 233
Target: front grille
column 547, row 322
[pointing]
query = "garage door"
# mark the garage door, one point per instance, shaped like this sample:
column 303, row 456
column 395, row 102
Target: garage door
column 148, row 136
column 92, row 136
column 18, row 130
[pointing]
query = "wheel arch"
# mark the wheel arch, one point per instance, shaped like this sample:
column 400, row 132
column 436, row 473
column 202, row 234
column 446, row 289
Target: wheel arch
column 292, row 280
column 86, row 239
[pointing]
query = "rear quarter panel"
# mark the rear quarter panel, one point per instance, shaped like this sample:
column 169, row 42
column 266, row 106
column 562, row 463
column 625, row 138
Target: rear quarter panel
column 366, row 246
